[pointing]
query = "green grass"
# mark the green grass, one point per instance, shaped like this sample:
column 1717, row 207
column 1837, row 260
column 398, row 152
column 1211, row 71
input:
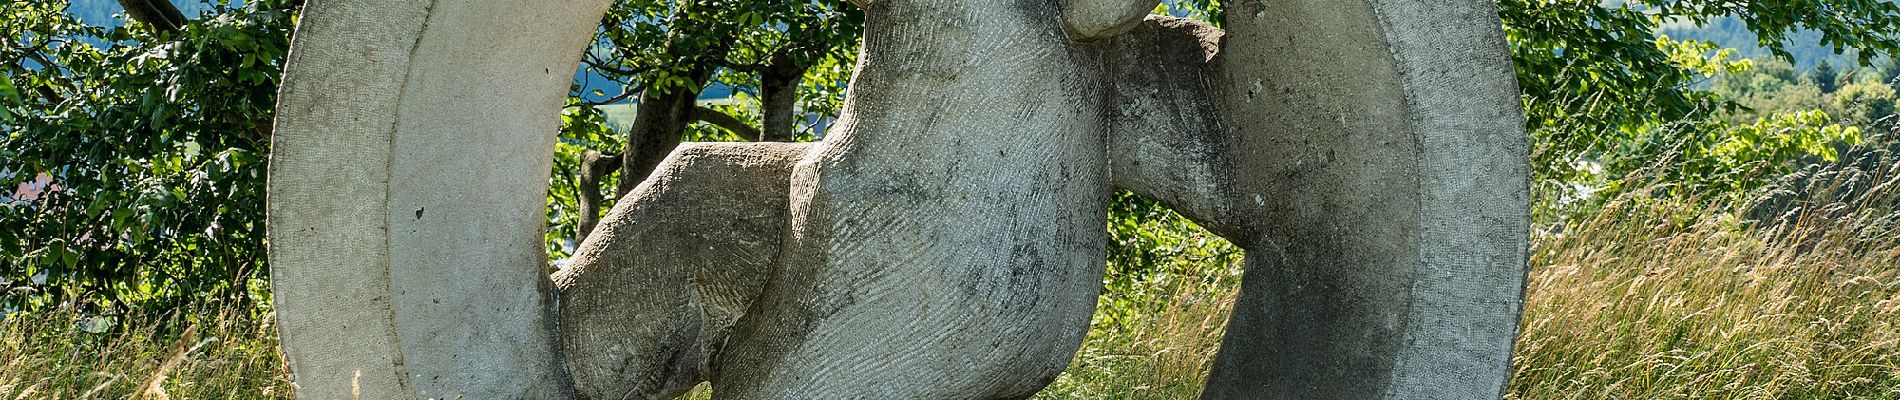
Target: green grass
column 1648, row 299
column 1659, row 300
column 218, row 354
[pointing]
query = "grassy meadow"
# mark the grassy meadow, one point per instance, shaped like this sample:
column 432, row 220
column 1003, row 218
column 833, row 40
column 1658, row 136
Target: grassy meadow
column 1644, row 299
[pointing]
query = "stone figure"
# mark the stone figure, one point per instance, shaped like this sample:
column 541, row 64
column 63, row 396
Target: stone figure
column 944, row 241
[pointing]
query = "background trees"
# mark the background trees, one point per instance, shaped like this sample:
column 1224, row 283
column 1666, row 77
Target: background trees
column 143, row 145
column 1604, row 94
column 131, row 164
column 775, row 56
column 143, row 149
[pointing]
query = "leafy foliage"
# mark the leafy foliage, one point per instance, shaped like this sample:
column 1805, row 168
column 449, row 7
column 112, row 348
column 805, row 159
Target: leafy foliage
column 1597, row 78
column 1718, row 160
column 668, row 45
column 142, row 152
column 582, row 128
column 1151, row 248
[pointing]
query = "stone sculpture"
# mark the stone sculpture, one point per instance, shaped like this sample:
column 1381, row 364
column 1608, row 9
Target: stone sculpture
column 944, row 241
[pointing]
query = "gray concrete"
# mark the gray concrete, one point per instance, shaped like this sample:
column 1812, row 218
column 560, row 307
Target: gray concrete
column 1374, row 171
column 1380, row 144
column 407, row 193
column 653, row 295
column 945, row 241
column 1091, row 20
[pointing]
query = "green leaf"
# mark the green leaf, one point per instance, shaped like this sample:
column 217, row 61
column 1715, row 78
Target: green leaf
column 8, row 92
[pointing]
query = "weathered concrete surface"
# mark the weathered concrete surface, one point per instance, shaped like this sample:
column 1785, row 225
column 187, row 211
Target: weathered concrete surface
column 944, row 242
column 1089, row 20
column 407, row 192
column 1166, row 139
column 1379, row 150
column 1377, row 183
column 946, row 238
column 652, row 296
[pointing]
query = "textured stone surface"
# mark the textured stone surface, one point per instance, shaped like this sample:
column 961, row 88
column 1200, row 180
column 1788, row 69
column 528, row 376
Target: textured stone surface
column 652, row 296
column 407, row 194
column 1089, row 20
column 1380, row 148
column 945, row 241
column 946, row 238
column 1166, row 139
column 1374, row 172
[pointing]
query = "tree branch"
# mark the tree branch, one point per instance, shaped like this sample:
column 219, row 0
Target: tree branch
column 727, row 122
column 594, row 168
column 160, row 14
column 616, row 99
column 746, row 68
column 597, row 65
column 52, row 96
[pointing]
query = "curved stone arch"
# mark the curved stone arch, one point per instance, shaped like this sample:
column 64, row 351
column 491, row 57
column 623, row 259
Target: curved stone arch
column 407, row 194
column 1370, row 158
column 1456, row 223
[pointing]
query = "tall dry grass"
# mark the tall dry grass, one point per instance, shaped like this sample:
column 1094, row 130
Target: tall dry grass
column 217, row 354
column 1647, row 299
column 1160, row 355
column 1658, row 300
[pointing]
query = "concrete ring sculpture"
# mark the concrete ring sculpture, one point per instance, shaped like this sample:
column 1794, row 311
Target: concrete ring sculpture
column 944, row 241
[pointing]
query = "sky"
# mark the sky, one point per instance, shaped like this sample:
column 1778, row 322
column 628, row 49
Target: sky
column 100, row 12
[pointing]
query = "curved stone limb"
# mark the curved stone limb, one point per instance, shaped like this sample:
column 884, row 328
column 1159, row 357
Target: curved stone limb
column 946, row 238
column 1165, row 136
column 650, row 298
column 407, row 190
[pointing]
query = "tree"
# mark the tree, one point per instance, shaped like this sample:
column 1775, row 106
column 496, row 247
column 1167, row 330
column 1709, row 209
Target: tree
column 161, row 15
column 1596, row 77
column 664, row 53
column 1825, row 77
column 1866, row 104
column 1890, row 71
column 150, row 141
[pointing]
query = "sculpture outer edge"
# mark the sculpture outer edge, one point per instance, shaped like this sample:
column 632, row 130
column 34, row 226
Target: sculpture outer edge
column 406, row 196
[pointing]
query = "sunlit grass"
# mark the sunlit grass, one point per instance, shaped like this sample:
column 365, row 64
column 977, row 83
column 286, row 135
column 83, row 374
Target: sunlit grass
column 1647, row 299
column 220, row 354
column 1659, row 300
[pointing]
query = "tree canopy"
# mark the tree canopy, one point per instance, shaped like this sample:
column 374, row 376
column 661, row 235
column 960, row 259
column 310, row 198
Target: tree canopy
column 144, row 149
column 133, row 156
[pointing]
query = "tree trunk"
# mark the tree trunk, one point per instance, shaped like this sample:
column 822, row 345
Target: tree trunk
column 727, row 122
column 778, row 93
column 160, row 14
column 594, row 168
column 661, row 117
